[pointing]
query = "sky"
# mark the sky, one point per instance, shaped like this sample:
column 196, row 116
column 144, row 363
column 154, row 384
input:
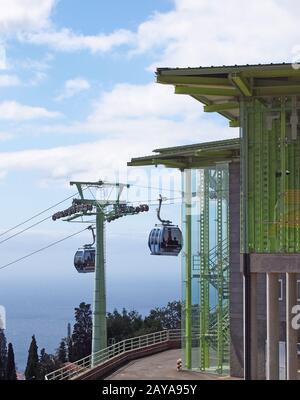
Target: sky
column 78, row 99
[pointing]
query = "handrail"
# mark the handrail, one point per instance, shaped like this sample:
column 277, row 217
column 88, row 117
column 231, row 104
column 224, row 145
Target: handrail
column 100, row 357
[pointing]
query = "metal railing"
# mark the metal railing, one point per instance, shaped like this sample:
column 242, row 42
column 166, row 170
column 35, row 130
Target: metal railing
column 79, row 367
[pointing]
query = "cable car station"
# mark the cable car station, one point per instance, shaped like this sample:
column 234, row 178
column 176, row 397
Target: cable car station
column 241, row 221
column 239, row 237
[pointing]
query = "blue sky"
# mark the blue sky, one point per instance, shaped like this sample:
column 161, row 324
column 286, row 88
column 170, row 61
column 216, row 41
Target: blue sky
column 79, row 99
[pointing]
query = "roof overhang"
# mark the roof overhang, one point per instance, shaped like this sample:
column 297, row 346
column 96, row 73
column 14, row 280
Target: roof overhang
column 192, row 156
column 221, row 89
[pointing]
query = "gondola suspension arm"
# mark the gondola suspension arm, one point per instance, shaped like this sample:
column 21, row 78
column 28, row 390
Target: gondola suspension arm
column 163, row 221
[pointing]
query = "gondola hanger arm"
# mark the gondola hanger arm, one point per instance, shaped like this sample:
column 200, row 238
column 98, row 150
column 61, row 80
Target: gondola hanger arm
column 163, row 221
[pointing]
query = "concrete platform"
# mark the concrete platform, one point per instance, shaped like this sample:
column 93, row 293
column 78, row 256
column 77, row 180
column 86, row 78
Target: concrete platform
column 161, row 366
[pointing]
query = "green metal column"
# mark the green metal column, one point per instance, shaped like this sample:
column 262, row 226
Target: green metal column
column 99, row 320
column 204, row 268
column 220, row 272
column 188, row 270
column 283, row 232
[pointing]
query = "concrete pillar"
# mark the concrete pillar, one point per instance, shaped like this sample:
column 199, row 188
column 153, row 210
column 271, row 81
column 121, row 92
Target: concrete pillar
column 291, row 334
column 272, row 365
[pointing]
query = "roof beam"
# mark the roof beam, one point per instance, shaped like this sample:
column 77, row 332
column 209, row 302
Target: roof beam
column 230, row 105
column 263, row 72
column 256, row 71
column 241, row 83
column 234, row 123
column 192, row 90
column 277, row 90
column 193, row 80
column 156, row 161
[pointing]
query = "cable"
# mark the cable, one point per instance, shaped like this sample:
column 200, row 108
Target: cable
column 151, row 201
column 41, row 249
column 155, row 188
column 38, row 214
column 25, row 229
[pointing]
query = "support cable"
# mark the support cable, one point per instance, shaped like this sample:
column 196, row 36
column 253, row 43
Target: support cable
column 42, row 249
column 37, row 215
column 25, row 229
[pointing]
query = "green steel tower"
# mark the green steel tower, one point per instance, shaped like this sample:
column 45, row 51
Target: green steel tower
column 101, row 211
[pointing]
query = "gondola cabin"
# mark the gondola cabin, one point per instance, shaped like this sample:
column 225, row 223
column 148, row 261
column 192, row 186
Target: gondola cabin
column 84, row 259
column 165, row 240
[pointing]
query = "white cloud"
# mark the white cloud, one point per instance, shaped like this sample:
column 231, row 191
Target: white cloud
column 30, row 21
column 141, row 101
column 66, row 40
column 129, row 121
column 41, row 64
column 38, row 77
column 9, row 80
column 24, row 15
column 12, row 110
column 195, row 32
column 73, row 87
column 4, row 136
column 200, row 32
column 3, row 61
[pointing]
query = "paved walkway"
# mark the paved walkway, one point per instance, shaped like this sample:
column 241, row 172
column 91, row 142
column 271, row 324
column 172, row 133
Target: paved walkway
column 159, row 366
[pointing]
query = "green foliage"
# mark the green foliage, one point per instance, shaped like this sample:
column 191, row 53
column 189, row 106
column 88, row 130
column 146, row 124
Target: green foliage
column 11, row 374
column 32, row 368
column 81, row 339
column 124, row 325
column 120, row 326
column 62, row 352
column 3, row 355
column 47, row 364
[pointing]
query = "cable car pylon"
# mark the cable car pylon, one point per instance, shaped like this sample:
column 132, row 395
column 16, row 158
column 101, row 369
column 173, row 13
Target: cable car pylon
column 105, row 210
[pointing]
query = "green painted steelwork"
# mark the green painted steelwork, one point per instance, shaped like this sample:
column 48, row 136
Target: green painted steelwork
column 268, row 116
column 104, row 210
column 188, row 271
column 271, row 171
column 204, row 269
column 234, row 123
column 215, row 85
column 207, row 285
column 205, row 90
column 192, row 156
column 99, row 321
column 242, row 84
column 221, row 106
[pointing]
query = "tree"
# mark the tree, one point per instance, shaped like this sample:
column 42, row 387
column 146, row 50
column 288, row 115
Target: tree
column 168, row 317
column 47, row 363
column 11, row 374
column 70, row 350
column 62, row 352
column 123, row 325
column 82, row 332
column 3, row 355
column 136, row 321
column 172, row 315
column 32, row 369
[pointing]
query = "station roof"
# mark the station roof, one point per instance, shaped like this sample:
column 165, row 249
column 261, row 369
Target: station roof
column 221, row 88
column 192, row 155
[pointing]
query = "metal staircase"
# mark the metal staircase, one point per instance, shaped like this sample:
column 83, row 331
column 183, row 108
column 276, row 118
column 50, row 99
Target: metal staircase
column 215, row 334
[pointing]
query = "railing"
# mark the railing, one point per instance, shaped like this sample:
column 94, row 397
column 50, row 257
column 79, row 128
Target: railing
column 95, row 360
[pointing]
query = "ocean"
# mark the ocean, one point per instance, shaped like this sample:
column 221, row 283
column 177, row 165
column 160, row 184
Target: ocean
column 44, row 308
